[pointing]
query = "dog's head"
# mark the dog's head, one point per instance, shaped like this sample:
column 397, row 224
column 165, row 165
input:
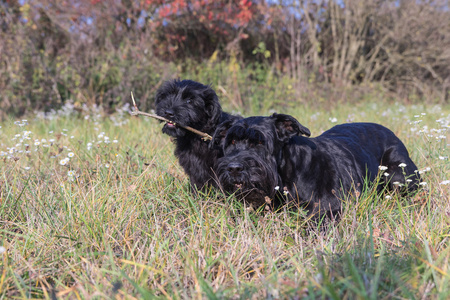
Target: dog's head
column 252, row 149
column 187, row 103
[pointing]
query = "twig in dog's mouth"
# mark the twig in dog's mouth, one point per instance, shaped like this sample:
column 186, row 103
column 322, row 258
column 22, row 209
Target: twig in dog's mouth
column 136, row 112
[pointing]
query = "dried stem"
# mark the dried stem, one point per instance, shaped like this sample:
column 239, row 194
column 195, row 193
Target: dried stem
column 136, row 112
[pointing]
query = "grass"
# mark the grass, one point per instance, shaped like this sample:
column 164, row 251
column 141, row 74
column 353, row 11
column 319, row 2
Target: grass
column 118, row 220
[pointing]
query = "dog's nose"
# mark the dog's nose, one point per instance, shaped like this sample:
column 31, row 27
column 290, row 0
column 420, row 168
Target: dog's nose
column 234, row 168
column 169, row 113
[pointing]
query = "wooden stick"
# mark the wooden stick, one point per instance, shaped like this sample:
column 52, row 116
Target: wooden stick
column 136, row 112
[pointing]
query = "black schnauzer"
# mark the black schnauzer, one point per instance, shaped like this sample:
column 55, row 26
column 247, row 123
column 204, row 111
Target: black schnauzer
column 265, row 157
column 193, row 104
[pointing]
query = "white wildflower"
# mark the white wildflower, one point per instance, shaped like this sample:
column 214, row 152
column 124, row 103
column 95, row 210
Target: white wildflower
column 64, row 161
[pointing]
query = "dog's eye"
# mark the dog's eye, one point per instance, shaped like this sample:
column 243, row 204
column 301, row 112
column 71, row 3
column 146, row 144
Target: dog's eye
column 189, row 101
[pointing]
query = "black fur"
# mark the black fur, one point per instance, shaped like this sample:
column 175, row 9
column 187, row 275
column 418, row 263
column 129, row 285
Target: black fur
column 193, row 104
column 261, row 153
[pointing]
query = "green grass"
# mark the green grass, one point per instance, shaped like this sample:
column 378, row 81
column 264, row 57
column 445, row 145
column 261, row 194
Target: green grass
column 126, row 226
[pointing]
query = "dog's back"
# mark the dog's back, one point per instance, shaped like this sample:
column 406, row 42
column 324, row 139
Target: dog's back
column 368, row 149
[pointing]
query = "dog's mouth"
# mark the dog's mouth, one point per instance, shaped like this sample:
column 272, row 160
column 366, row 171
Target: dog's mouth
column 238, row 185
column 171, row 124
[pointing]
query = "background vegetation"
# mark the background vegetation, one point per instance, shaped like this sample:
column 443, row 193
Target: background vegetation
column 93, row 204
column 95, row 52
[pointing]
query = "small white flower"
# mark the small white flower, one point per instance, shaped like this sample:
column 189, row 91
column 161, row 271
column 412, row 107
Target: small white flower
column 423, row 183
column 388, row 197
column 445, row 182
column 37, row 143
column 50, row 131
column 51, row 140
column 72, row 137
column 428, row 169
column 107, row 166
column 70, row 154
column 2, row 249
column 386, row 174
column 402, row 165
column 277, row 188
column 442, row 157
column 408, row 180
column 65, row 129
column 71, row 173
column 333, row 120
column 115, row 141
column 396, row 183
column 64, row 161
column 382, row 168
column 27, row 168
column 285, row 193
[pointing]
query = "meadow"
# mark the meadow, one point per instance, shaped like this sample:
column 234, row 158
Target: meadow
column 95, row 206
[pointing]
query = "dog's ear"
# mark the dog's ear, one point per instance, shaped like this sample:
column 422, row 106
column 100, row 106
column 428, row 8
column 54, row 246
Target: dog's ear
column 287, row 127
column 212, row 104
column 220, row 133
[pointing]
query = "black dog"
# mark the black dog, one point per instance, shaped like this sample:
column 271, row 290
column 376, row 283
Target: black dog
column 193, row 104
column 266, row 154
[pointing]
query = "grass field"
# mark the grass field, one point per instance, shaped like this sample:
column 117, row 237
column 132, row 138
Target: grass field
column 98, row 207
